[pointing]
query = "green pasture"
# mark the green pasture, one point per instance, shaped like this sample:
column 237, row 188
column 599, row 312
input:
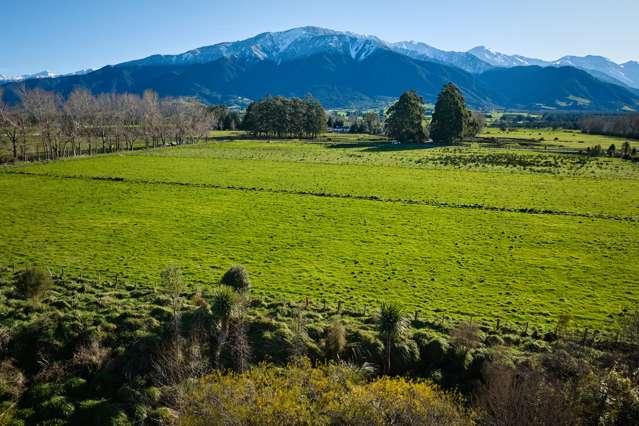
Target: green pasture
column 461, row 232
column 561, row 138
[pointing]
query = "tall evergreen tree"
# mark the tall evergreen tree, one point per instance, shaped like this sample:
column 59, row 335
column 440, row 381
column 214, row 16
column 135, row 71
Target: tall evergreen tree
column 405, row 119
column 449, row 117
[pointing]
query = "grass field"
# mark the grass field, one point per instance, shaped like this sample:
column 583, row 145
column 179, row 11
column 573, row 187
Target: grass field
column 489, row 233
column 570, row 139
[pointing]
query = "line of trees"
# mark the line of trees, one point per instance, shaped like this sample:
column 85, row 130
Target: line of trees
column 622, row 125
column 44, row 126
column 281, row 117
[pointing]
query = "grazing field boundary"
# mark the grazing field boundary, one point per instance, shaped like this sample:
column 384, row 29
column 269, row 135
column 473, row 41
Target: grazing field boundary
column 431, row 203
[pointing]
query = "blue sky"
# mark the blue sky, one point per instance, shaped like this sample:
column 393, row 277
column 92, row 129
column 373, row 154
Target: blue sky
column 68, row 35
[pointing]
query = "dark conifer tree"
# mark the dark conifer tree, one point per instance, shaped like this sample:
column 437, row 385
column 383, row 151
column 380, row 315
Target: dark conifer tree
column 449, row 117
column 405, row 119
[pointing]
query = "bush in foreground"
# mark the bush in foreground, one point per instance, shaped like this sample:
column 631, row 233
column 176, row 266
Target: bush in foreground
column 329, row 394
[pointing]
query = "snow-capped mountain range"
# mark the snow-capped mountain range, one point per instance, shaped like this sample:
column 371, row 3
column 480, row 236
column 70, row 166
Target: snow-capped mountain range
column 41, row 74
column 38, row 75
column 278, row 47
column 307, row 41
column 344, row 69
column 303, row 42
column 626, row 74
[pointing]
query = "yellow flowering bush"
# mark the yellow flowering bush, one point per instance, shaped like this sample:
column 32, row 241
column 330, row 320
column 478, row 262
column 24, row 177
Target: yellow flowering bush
column 331, row 394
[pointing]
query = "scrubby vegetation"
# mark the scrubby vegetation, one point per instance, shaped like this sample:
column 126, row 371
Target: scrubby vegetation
column 325, row 395
column 114, row 353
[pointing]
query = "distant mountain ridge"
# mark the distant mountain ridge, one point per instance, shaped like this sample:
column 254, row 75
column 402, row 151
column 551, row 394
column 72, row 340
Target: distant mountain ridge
column 343, row 69
column 41, row 74
column 626, row 74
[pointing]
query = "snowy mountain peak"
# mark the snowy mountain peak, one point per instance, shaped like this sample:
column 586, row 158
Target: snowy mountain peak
column 41, row 74
column 280, row 46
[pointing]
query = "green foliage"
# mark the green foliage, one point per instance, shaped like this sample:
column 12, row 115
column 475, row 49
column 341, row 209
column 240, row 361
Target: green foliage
column 449, row 117
column 153, row 394
column 76, row 387
column 328, row 394
column 224, row 303
column 391, row 326
column 57, row 407
column 172, row 280
column 474, row 123
column 391, row 322
column 162, row 416
column 281, row 117
column 237, row 277
column 32, row 283
column 100, row 413
column 405, row 119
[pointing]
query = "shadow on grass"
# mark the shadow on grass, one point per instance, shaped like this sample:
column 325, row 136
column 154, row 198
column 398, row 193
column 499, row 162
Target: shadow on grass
column 386, row 146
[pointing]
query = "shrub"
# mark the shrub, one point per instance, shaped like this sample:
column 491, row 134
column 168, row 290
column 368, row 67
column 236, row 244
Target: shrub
column 100, row 413
column 57, row 407
column 238, row 278
column 165, row 416
column 140, row 413
column 153, row 394
column 494, row 340
column 397, row 401
column 465, row 336
column 335, row 339
column 364, row 346
column 32, row 283
column 91, row 356
column 12, row 381
column 522, row 397
column 328, row 394
column 42, row 392
column 434, row 352
column 75, row 387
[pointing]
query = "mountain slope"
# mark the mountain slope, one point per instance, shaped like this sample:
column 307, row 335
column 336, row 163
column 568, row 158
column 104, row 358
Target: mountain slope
column 556, row 88
column 602, row 68
column 337, row 79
